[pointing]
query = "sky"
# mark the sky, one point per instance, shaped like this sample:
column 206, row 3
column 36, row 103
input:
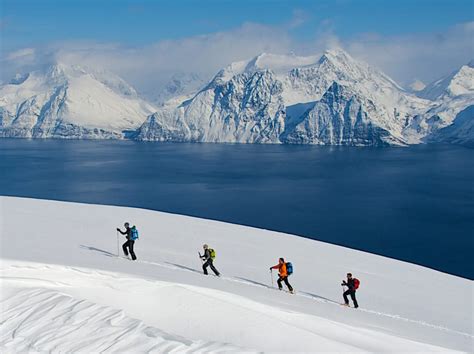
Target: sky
column 147, row 41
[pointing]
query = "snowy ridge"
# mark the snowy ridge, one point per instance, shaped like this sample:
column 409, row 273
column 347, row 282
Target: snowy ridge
column 69, row 318
column 459, row 82
column 341, row 117
column 450, row 95
column 246, row 109
column 70, row 102
column 219, row 112
column 251, row 101
column 461, row 131
column 181, row 86
column 62, row 291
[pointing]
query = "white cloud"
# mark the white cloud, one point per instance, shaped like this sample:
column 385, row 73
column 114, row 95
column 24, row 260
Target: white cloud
column 422, row 56
column 22, row 54
column 151, row 65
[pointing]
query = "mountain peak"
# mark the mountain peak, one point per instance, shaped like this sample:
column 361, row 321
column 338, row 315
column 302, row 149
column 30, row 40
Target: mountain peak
column 256, row 62
column 459, row 82
column 335, row 55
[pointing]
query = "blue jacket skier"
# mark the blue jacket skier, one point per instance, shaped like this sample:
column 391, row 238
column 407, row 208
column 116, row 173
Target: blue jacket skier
column 131, row 235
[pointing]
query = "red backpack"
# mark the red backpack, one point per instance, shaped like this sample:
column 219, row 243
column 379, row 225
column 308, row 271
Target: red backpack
column 356, row 283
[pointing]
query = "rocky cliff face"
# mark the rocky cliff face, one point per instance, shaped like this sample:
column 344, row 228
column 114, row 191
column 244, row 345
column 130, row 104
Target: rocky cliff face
column 248, row 108
column 254, row 101
column 341, row 117
column 328, row 100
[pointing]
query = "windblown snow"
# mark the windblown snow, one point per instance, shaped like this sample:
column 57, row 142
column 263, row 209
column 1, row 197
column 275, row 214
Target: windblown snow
column 64, row 289
column 251, row 101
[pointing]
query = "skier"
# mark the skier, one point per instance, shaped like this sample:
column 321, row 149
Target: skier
column 352, row 284
column 282, row 274
column 131, row 235
column 208, row 259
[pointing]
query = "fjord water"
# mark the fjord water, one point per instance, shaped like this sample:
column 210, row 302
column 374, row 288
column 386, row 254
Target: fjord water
column 414, row 204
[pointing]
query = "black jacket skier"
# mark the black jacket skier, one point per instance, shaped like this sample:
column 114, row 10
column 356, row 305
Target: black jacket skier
column 208, row 261
column 351, row 291
column 129, row 244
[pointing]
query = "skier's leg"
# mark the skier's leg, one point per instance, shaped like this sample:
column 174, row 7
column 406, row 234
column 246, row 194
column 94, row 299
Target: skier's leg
column 124, row 247
column 134, row 257
column 346, row 300
column 279, row 282
column 285, row 279
column 354, row 300
column 211, row 264
column 204, row 266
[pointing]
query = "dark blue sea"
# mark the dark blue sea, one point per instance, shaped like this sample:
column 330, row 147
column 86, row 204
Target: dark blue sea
column 414, row 204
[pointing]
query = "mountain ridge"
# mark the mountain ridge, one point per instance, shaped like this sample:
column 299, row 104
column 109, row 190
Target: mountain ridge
column 249, row 101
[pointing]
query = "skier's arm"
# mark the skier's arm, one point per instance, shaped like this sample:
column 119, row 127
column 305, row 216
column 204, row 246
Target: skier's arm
column 275, row 267
column 123, row 233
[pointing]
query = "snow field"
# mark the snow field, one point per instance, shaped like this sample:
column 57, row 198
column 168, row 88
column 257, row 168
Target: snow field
column 64, row 289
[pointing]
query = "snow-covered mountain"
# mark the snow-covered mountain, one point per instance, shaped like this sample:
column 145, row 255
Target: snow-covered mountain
column 461, row 131
column 331, row 99
column 449, row 96
column 248, row 108
column 177, row 88
column 70, row 102
column 457, row 83
column 258, row 100
column 341, row 117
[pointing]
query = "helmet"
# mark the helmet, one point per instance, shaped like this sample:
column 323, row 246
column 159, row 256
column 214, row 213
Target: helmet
column 205, row 246
column 126, row 224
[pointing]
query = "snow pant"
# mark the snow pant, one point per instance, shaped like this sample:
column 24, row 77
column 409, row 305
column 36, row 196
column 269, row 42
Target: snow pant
column 285, row 279
column 352, row 293
column 129, row 244
column 208, row 263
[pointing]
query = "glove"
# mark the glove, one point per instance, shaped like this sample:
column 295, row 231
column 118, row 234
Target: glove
column 118, row 229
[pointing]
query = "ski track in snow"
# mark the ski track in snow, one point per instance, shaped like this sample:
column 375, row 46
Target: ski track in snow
column 64, row 296
column 54, row 319
column 302, row 294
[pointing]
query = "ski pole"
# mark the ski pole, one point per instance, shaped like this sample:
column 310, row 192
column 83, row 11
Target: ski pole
column 117, row 243
column 200, row 257
column 271, row 276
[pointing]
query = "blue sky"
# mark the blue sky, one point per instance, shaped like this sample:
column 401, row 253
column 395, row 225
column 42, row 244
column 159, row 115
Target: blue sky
column 29, row 22
column 147, row 41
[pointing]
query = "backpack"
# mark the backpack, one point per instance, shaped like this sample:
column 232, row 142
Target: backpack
column 134, row 234
column 356, row 283
column 289, row 268
column 212, row 253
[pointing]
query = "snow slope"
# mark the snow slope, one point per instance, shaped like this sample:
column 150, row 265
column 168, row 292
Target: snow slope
column 450, row 96
column 461, row 131
column 64, row 289
column 70, row 102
